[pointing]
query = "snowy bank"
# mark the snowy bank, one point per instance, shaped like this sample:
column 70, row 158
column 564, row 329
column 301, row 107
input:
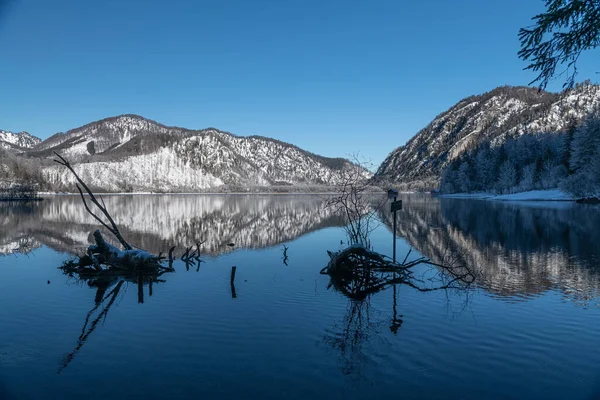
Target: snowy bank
column 532, row 195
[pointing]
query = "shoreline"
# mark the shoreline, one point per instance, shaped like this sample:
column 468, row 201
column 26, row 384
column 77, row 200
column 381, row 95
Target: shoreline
column 532, row 195
column 51, row 194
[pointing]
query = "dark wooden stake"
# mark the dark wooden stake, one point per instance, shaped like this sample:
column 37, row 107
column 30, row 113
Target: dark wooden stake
column 140, row 288
column 233, row 274
column 394, row 233
column 171, row 256
column 232, row 280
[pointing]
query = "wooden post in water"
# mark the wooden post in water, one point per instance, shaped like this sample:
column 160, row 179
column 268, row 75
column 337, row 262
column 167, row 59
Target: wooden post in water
column 140, row 282
column 394, row 231
column 396, row 205
column 233, row 274
column 232, row 282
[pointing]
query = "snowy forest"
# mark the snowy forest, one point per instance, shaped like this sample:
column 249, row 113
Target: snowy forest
column 568, row 160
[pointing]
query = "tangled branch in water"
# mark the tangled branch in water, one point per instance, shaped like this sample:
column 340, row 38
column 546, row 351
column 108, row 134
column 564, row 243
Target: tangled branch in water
column 358, row 272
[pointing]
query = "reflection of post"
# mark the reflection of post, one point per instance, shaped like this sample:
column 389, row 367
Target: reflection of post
column 140, row 282
column 396, row 323
column 232, row 282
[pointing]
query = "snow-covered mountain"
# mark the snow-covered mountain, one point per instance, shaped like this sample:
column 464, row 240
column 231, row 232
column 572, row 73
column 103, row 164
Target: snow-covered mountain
column 493, row 116
column 129, row 152
column 21, row 140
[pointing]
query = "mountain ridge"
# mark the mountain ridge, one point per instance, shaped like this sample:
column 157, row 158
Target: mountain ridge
column 42, row 145
column 20, row 140
column 132, row 153
column 505, row 111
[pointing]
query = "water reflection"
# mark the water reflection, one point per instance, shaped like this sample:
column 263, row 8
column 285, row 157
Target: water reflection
column 155, row 223
column 398, row 342
column 104, row 301
column 109, row 284
column 350, row 336
column 520, row 249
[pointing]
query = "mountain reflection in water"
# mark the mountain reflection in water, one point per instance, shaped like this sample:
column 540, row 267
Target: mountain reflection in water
column 195, row 333
column 520, row 249
column 156, row 223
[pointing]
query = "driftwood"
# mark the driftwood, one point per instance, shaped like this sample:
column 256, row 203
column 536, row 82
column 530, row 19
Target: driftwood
column 104, row 259
column 358, row 272
column 110, row 269
column 102, row 207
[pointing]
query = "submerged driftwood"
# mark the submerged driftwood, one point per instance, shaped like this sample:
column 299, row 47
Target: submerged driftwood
column 104, row 259
column 358, row 272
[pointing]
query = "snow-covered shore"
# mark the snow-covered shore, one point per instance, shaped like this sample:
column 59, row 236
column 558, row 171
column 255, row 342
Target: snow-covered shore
column 533, row 195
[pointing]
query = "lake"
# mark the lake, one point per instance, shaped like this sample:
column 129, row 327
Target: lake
column 528, row 330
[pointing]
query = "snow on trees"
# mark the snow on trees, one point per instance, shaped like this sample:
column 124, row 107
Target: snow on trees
column 585, row 159
column 567, row 160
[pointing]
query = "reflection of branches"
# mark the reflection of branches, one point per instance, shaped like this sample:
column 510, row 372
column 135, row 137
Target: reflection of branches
column 355, row 332
column 88, row 327
column 24, row 246
column 358, row 272
column 191, row 256
column 105, row 299
column 285, row 256
column 359, row 328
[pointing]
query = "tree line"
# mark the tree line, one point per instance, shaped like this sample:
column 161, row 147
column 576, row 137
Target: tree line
column 569, row 160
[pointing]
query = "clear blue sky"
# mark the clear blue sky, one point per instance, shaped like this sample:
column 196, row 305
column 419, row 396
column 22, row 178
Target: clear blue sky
column 331, row 76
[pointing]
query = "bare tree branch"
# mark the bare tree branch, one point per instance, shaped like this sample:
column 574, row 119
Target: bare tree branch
column 113, row 227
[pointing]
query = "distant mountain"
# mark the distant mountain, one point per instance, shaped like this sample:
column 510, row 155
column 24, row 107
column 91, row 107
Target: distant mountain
column 22, row 140
column 132, row 153
column 504, row 112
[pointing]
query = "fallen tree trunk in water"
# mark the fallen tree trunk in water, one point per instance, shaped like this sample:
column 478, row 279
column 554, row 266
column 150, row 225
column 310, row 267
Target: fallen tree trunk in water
column 104, row 253
column 103, row 258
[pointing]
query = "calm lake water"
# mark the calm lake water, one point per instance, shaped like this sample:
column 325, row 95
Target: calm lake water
column 529, row 330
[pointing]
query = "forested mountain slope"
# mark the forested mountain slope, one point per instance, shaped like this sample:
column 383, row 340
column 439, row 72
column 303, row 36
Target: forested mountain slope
column 491, row 117
column 568, row 159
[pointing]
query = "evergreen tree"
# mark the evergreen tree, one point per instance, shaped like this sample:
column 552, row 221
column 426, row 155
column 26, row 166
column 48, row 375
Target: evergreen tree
column 566, row 145
column 465, row 183
column 559, row 36
column 586, row 141
column 528, row 178
column 507, row 177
